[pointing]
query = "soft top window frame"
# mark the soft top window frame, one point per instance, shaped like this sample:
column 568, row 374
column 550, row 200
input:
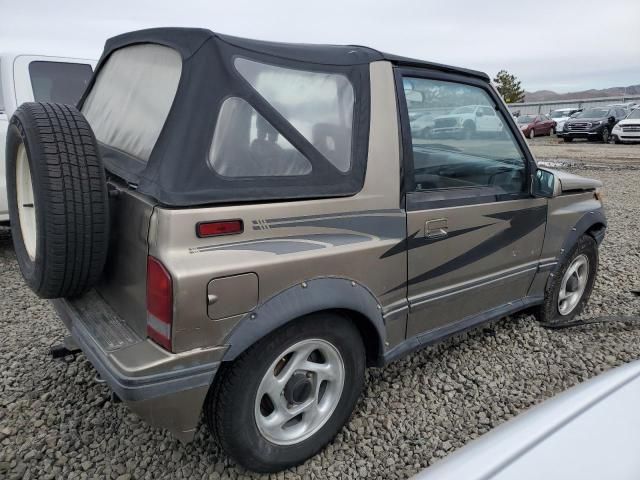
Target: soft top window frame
column 177, row 172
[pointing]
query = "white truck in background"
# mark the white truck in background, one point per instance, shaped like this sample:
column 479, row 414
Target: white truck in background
column 40, row 78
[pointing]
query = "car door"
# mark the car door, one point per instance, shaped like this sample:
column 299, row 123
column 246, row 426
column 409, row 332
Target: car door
column 474, row 232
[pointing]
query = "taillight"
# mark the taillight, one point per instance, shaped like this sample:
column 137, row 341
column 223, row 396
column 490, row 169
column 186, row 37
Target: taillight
column 159, row 303
column 220, row 227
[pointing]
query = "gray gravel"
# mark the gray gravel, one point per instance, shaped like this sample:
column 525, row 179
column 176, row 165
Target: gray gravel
column 55, row 422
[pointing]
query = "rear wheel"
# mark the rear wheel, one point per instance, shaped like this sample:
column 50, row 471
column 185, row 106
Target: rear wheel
column 57, row 195
column 532, row 134
column 287, row 396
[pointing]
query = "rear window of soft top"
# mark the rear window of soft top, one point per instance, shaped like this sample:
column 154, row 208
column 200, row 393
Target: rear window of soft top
column 131, row 98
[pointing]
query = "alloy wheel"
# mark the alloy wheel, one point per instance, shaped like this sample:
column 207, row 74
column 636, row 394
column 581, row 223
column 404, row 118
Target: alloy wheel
column 573, row 285
column 299, row 392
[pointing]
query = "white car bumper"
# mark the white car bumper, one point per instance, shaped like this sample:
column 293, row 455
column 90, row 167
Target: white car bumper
column 626, row 134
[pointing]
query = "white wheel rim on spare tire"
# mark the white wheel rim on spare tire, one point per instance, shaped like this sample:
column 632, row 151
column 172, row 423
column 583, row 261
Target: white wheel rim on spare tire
column 26, row 205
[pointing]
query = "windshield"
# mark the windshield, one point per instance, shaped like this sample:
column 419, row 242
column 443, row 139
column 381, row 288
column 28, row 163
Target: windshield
column 560, row 113
column 593, row 113
column 525, row 119
column 634, row 113
column 463, row 110
column 59, row 82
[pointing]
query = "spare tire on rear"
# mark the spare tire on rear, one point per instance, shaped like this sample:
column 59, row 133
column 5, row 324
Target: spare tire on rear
column 58, row 202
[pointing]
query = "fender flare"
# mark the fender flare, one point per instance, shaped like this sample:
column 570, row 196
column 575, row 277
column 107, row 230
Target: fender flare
column 302, row 299
column 588, row 220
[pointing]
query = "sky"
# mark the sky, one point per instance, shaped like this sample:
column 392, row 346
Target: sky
column 561, row 45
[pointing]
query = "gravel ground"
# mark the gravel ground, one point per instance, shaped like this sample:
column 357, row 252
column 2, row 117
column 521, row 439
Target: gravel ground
column 55, row 422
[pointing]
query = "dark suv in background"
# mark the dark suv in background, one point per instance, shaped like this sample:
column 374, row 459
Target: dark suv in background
column 592, row 124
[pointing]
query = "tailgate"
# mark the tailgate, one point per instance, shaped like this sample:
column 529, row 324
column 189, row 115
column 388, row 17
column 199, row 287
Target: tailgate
column 124, row 280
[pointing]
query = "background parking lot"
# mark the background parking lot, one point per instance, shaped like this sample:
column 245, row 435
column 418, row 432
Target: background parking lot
column 55, row 421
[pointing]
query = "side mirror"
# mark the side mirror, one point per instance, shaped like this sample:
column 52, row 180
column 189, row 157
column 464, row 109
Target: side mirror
column 612, row 119
column 479, row 113
column 545, row 184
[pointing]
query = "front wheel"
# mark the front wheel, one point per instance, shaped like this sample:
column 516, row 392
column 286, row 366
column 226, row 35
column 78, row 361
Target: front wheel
column 288, row 395
column 605, row 135
column 571, row 285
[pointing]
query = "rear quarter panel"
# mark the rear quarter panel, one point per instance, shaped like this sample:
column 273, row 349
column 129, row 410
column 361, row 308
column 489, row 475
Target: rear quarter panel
column 287, row 243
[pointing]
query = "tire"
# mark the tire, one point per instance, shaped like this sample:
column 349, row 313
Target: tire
column 554, row 309
column 532, row 134
column 605, row 135
column 552, row 131
column 567, row 139
column 234, row 415
column 57, row 195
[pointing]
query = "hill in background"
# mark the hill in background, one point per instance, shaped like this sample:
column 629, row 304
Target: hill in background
column 548, row 95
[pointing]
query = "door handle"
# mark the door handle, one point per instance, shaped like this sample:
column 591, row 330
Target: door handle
column 436, row 228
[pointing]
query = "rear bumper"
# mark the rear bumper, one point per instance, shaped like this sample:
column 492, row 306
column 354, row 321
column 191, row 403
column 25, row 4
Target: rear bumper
column 166, row 390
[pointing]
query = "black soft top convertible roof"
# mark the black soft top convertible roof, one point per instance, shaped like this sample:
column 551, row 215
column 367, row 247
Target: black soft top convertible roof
column 188, row 40
column 177, row 172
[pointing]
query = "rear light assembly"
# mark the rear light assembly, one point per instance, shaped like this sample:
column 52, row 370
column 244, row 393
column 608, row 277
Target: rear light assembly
column 159, row 303
column 219, row 227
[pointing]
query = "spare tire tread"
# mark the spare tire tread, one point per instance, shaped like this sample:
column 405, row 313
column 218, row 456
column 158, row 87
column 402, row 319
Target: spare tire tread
column 73, row 185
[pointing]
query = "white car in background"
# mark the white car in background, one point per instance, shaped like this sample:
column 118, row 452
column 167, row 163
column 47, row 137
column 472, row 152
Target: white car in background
column 561, row 115
column 40, row 78
column 628, row 106
column 468, row 121
column 590, row 432
column 627, row 130
column 422, row 124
